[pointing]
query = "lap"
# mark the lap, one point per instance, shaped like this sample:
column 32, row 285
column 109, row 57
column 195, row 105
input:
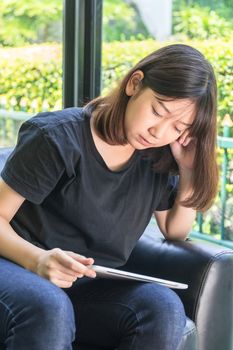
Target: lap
column 33, row 306
column 17, row 281
column 104, row 309
column 20, row 288
column 121, row 292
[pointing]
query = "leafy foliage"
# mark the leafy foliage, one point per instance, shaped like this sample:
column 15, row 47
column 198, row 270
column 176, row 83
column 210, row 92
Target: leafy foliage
column 201, row 22
column 30, row 76
column 31, row 21
column 121, row 22
column 35, row 72
column 27, row 21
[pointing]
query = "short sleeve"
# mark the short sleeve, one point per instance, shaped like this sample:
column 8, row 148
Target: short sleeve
column 169, row 194
column 35, row 166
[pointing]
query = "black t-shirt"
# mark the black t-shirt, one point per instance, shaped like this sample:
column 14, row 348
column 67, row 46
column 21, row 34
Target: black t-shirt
column 73, row 201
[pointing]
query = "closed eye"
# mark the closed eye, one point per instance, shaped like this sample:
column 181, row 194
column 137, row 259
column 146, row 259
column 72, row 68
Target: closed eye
column 179, row 131
column 155, row 112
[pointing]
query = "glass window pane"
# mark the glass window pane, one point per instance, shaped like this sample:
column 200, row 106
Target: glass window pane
column 30, row 62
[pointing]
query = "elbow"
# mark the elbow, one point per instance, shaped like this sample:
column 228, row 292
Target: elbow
column 172, row 234
column 176, row 237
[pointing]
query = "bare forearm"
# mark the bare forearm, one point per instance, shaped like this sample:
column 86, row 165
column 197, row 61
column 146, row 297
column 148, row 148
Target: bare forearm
column 180, row 219
column 179, row 222
column 59, row 267
column 15, row 248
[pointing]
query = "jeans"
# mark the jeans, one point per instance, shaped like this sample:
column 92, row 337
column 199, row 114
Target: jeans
column 91, row 315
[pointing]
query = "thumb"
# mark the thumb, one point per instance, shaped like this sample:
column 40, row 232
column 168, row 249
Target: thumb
column 175, row 146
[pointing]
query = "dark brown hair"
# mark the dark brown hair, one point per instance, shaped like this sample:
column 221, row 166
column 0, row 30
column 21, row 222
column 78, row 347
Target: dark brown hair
column 177, row 72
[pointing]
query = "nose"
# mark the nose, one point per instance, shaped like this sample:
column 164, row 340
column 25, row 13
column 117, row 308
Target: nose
column 159, row 131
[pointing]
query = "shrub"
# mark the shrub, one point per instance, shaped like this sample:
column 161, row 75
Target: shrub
column 35, row 72
column 29, row 21
column 118, row 27
column 198, row 22
column 31, row 77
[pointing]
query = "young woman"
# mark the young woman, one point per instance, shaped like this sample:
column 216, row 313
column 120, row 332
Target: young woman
column 81, row 186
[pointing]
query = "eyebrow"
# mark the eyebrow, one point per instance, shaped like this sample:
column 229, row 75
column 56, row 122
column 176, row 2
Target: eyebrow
column 163, row 105
column 167, row 110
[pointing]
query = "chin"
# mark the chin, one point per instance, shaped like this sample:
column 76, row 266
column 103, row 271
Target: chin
column 137, row 145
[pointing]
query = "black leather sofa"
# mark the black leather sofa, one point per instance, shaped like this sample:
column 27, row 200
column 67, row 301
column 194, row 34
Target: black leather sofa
column 206, row 268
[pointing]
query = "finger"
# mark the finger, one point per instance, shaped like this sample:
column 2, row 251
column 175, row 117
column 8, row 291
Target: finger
column 175, row 146
column 56, row 265
column 84, row 260
column 61, row 283
column 56, row 274
column 70, row 263
column 191, row 142
column 186, row 141
column 73, row 254
column 183, row 137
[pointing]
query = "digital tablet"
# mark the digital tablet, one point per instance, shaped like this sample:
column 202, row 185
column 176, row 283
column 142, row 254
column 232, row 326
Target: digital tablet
column 107, row 272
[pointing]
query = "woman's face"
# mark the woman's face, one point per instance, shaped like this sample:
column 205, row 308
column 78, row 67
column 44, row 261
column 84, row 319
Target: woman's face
column 150, row 122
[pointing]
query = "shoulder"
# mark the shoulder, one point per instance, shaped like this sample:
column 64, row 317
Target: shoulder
column 58, row 133
column 64, row 127
column 47, row 121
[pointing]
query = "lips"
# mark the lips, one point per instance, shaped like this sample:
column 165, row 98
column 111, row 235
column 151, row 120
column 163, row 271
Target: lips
column 143, row 141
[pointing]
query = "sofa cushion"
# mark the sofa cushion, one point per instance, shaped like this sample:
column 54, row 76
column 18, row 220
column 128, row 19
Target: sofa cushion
column 189, row 340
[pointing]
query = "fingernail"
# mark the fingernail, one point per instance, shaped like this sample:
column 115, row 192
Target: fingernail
column 92, row 275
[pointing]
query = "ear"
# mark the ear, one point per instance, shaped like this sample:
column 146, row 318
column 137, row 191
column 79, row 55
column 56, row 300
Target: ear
column 134, row 83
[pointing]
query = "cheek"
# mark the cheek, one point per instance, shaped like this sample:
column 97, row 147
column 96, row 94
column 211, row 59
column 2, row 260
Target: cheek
column 174, row 136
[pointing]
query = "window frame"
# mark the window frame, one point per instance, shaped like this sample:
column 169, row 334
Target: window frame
column 82, row 44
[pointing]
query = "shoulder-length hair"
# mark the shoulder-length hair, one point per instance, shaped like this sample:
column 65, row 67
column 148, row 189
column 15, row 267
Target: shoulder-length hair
column 175, row 71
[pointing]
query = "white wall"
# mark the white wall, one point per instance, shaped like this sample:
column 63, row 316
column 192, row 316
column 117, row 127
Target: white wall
column 157, row 16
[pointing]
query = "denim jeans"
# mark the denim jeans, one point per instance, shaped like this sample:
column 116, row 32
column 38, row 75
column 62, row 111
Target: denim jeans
column 91, row 315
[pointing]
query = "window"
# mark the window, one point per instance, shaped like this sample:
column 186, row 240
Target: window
column 30, row 62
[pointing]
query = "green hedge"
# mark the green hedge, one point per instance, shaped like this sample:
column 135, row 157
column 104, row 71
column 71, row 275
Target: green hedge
column 198, row 22
column 32, row 75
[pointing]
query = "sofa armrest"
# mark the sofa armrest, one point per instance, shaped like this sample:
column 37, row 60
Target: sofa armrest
column 207, row 269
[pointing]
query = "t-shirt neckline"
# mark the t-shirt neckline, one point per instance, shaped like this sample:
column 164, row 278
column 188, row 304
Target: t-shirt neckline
column 98, row 156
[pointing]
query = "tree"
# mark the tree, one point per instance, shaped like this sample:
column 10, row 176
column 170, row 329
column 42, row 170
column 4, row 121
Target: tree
column 28, row 21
